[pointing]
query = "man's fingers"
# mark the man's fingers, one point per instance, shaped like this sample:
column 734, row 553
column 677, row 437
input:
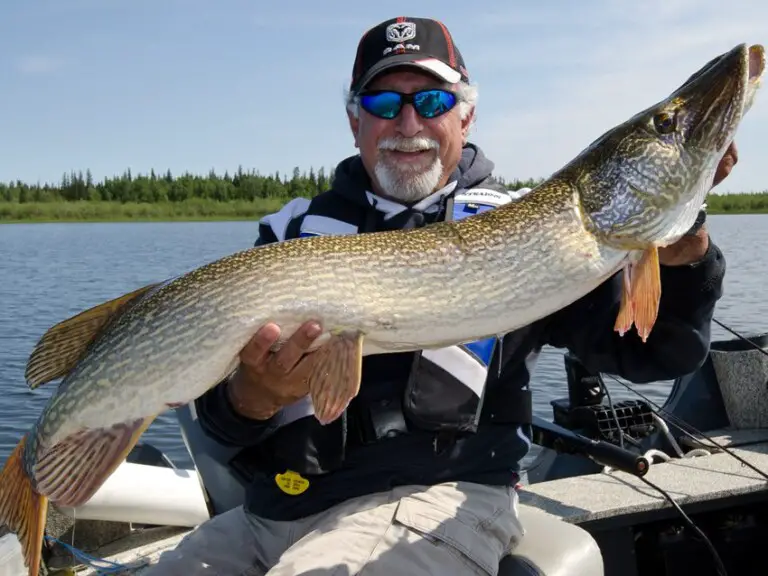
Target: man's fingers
column 727, row 162
column 296, row 346
column 254, row 353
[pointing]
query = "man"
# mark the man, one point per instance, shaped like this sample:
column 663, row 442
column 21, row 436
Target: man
column 418, row 475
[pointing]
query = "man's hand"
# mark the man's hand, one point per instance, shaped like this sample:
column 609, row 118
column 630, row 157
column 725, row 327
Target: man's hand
column 690, row 249
column 687, row 250
column 266, row 381
column 728, row 161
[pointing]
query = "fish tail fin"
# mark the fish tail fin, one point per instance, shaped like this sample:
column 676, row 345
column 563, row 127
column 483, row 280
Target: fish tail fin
column 22, row 509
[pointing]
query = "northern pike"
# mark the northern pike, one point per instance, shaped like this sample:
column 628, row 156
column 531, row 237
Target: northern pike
column 636, row 188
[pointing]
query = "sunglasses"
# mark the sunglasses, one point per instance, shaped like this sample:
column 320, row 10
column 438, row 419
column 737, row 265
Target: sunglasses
column 387, row 104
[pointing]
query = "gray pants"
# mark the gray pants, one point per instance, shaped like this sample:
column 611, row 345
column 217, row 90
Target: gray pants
column 449, row 529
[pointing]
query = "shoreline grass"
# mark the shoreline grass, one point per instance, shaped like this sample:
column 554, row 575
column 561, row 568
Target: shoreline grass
column 712, row 212
column 242, row 195
column 206, row 198
column 196, row 210
column 204, row 210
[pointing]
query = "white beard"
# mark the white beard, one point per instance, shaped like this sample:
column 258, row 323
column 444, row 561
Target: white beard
column 404, row 182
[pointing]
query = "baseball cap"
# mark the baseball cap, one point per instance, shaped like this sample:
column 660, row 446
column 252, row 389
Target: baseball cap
column 421, row 42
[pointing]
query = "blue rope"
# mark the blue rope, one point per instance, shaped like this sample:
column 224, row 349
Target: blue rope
column 85, row 558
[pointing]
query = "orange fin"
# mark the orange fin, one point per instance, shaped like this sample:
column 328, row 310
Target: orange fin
column 625, row 318
column 333, row 372
column 63, row 345
column 70, row 472
column 23, row 510
column 641, row 295
column 646, row 292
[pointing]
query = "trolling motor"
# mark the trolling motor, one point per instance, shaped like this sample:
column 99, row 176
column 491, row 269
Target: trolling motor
column 585, row 412
column 584, row 425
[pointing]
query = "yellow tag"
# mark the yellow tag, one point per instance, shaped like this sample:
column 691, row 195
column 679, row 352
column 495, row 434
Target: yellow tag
column 291, row 482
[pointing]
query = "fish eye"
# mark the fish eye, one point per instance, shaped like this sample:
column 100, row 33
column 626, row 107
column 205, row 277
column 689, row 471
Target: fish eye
column 664, row 122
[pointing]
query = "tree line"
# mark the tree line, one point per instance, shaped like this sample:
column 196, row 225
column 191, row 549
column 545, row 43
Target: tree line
column 251, row 191
column 153, row 187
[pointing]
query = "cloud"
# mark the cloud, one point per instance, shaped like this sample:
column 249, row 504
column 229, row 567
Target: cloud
column 593, row 67
column 38, row 65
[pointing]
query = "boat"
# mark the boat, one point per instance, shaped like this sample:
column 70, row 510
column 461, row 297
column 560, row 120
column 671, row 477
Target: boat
column 626, row 488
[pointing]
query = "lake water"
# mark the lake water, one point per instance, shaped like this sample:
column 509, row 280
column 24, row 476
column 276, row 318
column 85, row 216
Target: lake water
column 49, row 272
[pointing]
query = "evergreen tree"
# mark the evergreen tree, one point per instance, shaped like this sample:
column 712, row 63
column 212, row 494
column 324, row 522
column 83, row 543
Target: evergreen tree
column 248, row 186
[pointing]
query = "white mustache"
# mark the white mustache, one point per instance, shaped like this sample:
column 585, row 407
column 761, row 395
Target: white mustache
column 418, row 144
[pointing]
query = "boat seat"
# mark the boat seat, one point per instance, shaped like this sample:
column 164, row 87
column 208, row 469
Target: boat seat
column 552, row 547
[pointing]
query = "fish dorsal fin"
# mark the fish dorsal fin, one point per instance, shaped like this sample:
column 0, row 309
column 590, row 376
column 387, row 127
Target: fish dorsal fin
column 62, row 346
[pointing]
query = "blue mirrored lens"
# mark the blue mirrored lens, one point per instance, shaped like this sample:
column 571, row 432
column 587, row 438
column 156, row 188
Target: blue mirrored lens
column 431, row 103
column 384, row 104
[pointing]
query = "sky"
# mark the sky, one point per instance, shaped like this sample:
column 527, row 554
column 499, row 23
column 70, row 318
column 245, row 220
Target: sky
column 194, row 85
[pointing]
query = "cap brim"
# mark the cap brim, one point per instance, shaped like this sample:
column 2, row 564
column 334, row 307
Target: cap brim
column 432, row 65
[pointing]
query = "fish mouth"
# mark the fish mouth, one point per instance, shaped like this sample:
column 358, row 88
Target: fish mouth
column 717, row 96
column 755, row 73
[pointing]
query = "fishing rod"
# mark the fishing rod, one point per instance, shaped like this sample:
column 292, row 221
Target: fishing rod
column 618, row 457
column 561, row 439
column 557, row 437
column 688, row 429
column 744, row 338
column 695, row 434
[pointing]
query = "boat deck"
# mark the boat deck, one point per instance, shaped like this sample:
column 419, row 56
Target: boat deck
column 574, row 500
column 688, row 480
column 138, row 550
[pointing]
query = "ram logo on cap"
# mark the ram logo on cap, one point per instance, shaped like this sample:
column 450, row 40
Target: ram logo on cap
column 401, row 31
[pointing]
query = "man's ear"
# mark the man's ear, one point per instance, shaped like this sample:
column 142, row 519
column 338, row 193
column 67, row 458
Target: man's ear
column 466, row 124
column 354, row 125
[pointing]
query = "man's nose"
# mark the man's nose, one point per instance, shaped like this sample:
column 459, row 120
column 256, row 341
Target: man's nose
column 409, row 123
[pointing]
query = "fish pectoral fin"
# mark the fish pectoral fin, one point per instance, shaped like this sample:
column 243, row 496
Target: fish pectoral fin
column 641, row 295
column 333, row 373
column 23, row 510
column 70, row 472
column 646, row 292
column 62, row 346
column 625, row 318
